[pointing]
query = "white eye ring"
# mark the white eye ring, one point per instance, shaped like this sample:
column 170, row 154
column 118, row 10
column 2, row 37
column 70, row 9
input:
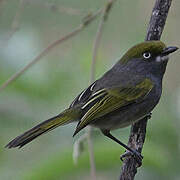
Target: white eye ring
column 147, row 55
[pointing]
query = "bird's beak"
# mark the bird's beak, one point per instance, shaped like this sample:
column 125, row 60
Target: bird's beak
column 169, row 50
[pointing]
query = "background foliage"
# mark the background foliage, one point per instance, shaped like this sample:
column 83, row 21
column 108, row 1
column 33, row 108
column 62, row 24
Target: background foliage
column 50, row 86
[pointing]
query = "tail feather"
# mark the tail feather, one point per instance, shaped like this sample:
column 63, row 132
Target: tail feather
column 65, row 117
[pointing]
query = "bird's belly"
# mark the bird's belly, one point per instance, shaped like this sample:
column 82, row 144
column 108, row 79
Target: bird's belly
column 126, row 115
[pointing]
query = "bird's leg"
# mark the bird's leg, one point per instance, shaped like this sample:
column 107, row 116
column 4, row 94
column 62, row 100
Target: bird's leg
column 137, row 155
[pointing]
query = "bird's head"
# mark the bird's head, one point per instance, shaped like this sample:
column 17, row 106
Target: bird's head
column 149, row 55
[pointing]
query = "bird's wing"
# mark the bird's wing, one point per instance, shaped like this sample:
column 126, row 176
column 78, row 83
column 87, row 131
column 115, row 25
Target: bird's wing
column 84, row 95
column 105, row 101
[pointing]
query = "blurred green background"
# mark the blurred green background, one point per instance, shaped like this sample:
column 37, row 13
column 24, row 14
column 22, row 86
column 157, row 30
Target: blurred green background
column 51, row 84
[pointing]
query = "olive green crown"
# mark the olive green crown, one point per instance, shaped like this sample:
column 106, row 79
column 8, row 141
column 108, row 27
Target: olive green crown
column 154, row 47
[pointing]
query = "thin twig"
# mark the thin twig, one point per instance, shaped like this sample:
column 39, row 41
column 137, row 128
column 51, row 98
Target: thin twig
column 91, row 153
column 66, row 10
column 56, row 8
column 138, row 130
column 98, row 38
column 86, row 21
column 92, row 78
column 15, row 23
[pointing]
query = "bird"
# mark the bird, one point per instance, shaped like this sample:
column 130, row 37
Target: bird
column 125, row 94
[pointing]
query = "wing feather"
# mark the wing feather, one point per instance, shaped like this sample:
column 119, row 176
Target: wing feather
column 84, row 95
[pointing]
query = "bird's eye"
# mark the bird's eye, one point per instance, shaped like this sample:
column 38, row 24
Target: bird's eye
column 147, row 55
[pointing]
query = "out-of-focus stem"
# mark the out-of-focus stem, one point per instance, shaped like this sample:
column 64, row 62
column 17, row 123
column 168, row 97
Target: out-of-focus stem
column 92, row 78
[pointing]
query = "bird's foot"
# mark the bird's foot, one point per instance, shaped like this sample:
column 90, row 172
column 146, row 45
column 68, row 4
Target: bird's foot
column 125, row 155
column 135, row 154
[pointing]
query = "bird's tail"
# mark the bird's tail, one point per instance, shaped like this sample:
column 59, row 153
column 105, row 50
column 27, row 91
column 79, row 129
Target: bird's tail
column 67, row 116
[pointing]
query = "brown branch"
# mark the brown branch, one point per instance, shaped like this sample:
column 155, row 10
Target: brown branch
column 86, row 21
column 138, row 130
